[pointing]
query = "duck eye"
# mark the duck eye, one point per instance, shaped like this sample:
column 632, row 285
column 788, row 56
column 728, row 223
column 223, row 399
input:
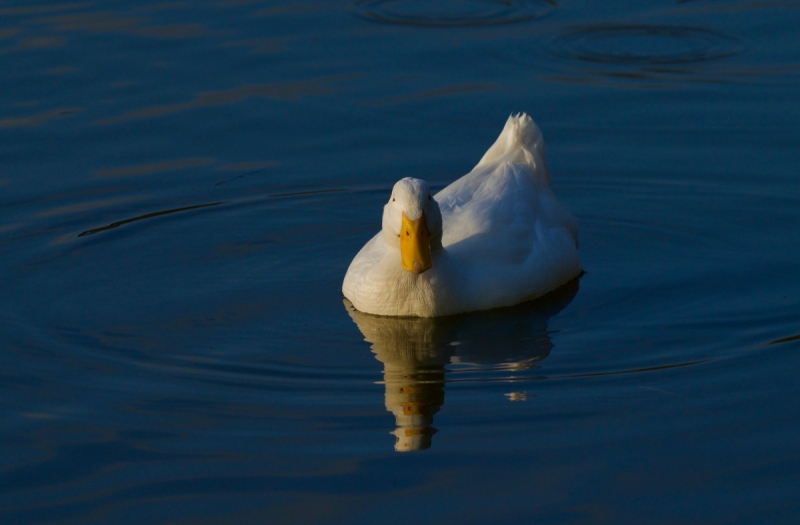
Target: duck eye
column 392, row 199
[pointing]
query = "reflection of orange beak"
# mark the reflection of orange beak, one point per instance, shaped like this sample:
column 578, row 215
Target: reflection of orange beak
column 415, row 244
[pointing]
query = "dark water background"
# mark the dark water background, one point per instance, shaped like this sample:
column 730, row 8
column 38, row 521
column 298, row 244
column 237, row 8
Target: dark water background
column 182, row 187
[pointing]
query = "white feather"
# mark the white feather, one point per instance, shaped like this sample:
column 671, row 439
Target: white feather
column 499, row 237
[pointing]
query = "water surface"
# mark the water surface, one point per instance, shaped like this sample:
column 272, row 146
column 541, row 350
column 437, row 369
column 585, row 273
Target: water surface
column 182, row 187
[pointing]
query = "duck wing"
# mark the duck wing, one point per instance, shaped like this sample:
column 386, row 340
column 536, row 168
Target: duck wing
column 503, row 226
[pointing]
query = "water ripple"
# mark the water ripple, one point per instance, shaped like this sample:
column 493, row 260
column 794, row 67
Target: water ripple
column 117, row 224
column 782, row 340
column 452, row 13
column 644, row 45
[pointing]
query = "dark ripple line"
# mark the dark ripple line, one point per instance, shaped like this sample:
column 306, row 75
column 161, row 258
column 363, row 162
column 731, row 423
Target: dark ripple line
column 198, row 206
column 639, row 370
column 117, row 224
column 705, row 45
column 504, row 12
column 222, row 369
column 785, row 340
column 522, row 378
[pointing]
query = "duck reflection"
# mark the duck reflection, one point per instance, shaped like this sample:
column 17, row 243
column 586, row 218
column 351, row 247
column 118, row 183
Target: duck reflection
column 414, row 352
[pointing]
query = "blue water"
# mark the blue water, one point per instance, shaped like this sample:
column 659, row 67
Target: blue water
column 182, row 188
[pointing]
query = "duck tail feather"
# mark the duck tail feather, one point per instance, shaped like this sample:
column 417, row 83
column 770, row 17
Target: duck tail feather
column 520, row 134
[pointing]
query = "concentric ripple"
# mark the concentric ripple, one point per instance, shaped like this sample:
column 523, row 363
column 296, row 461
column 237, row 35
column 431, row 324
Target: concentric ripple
column 644, row 45
column 448, row 13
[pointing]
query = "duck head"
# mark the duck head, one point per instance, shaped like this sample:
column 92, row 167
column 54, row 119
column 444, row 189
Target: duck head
column 412, row 223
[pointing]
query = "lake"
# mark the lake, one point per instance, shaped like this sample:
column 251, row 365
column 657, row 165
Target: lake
column 184, row 184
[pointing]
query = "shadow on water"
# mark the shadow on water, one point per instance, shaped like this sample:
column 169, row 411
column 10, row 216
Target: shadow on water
column 416, row 351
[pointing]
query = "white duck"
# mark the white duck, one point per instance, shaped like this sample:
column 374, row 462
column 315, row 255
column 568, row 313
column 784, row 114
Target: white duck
column 495, row 237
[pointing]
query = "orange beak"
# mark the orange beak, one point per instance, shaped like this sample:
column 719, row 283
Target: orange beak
column 415, row 245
